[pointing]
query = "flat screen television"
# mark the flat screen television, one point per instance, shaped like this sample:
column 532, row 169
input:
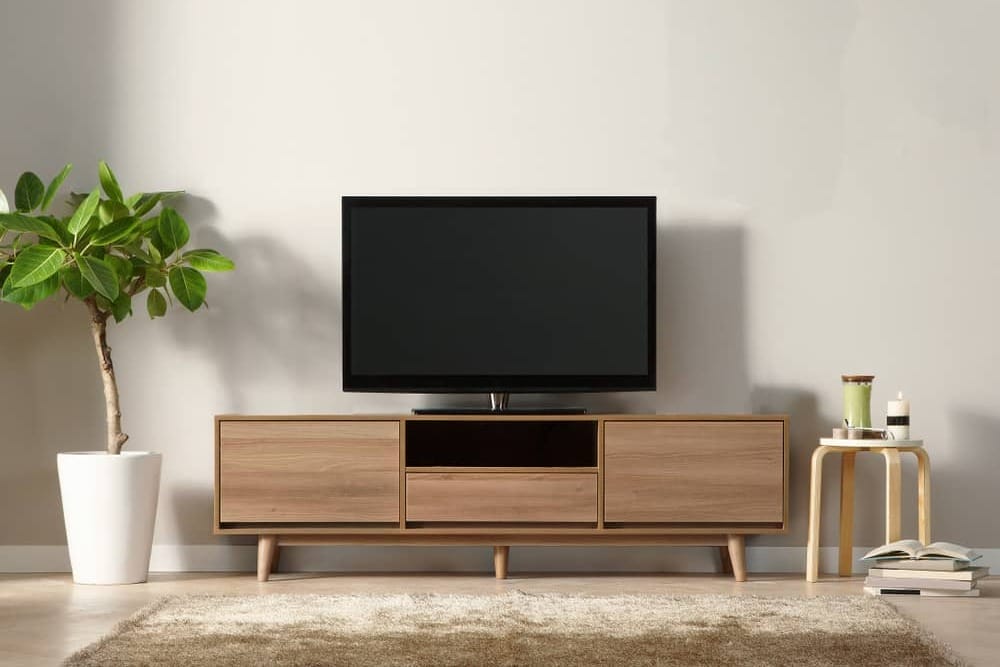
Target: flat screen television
column 499, row 294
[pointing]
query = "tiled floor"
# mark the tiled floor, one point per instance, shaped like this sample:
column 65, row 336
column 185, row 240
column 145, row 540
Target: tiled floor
column 44, row 618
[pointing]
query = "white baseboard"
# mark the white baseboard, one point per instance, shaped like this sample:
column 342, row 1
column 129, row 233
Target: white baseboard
column 230, row 558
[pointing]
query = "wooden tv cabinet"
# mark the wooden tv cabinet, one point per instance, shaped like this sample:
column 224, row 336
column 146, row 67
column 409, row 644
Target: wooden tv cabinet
column 501, row 480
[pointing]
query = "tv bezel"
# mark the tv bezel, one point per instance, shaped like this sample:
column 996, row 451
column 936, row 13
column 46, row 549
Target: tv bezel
column 468, row 384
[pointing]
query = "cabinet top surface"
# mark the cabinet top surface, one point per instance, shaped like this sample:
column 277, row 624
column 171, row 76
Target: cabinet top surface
column 505, row 417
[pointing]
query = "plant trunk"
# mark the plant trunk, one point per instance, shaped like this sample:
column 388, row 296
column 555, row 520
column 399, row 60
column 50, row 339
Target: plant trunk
column 99, row 330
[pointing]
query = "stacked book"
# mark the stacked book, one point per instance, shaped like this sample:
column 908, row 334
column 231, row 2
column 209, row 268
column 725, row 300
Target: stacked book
column 907, row 567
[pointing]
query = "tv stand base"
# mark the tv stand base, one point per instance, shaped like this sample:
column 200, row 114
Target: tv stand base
column 499, row 405
column 732, row 549
column 508, row 411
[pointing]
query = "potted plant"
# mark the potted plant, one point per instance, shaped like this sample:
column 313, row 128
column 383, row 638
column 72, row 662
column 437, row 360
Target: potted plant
column 106, row 252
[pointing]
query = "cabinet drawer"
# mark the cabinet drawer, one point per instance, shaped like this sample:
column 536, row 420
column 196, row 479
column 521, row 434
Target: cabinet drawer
column 698, row 472
column 501, row 497
column 308, row 471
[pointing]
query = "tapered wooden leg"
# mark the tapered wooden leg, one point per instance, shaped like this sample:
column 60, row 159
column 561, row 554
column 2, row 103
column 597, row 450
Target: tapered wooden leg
column 923, row 494
column 727, row 564
column 500, row 555
column 893, row 523
column 267, row 546
column 845, row 564
column 737, row 556
column 815, row 492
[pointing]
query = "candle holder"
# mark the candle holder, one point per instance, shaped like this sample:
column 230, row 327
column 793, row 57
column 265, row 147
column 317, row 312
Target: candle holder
column 857, row 400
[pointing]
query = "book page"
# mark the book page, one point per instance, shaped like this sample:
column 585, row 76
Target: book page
column 902, row 548
column 947, row 550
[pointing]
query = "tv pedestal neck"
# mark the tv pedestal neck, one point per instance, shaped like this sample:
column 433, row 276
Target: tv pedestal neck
column 502, row 480
column 499, row 405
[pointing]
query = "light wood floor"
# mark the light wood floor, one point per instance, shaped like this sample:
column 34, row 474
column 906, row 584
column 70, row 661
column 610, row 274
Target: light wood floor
column 44, row 618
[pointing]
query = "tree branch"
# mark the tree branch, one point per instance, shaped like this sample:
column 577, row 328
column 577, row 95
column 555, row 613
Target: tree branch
column 99, row 331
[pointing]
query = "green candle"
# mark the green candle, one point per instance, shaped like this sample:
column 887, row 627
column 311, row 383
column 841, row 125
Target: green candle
column 858, row 400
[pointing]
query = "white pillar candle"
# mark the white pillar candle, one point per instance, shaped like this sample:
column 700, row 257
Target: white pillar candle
column 898, row 418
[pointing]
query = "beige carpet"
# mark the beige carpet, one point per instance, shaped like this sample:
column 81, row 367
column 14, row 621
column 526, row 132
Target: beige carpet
column 515, row 629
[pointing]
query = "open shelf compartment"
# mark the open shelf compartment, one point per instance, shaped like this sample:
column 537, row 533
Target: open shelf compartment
column 501, row 444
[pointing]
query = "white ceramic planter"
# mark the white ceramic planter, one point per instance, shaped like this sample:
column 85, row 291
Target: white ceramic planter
column 109, row 506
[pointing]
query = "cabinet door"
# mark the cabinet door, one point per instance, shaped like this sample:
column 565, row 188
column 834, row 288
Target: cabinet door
column 697, row 472
column 308, row 471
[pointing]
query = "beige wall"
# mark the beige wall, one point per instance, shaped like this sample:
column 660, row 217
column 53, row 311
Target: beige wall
column 828, row 175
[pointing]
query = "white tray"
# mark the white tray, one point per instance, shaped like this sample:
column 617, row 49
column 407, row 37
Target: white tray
column 843, row 442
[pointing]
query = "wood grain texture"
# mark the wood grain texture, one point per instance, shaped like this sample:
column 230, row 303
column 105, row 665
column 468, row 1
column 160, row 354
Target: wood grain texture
column 893, row 493
column 671, row 471
column 267, row 550
column 845, row 560
column 527, row 497
column 298, row 471
column 923, row 495
column 472, row 537
column 737, row 557
column 500, row 559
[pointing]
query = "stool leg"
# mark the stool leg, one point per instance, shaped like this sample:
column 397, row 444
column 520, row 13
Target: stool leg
column 815, row 492
column 892, row 495
column 924, row 494
column 845, row 565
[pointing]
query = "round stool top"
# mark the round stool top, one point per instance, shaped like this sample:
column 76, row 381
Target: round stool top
column 843, row 442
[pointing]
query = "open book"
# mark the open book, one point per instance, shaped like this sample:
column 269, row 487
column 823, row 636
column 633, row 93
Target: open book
column 915, row 550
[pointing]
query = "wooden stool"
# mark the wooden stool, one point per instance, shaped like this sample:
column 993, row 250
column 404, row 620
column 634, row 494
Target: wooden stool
column 848, row 449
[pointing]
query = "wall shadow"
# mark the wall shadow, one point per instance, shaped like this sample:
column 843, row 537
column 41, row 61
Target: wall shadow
column 959, row 474
column 273, row 319
column 802, row 407
column 274, row 322
column 57, row 63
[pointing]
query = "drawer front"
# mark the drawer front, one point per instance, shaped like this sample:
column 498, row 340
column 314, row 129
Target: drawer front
column 699, row 472
column 302, row 471
column 501, row 497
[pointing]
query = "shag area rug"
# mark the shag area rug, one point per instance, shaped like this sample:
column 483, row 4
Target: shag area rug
column 515, row 629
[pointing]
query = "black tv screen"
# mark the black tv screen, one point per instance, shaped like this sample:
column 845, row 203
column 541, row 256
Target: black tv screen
column 499, row 294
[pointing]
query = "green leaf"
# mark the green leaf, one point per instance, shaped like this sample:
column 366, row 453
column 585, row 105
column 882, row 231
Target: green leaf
column 109, row 211
column 84, row 212
column 149, row 200
column 122, row 268
column 54, row 186
column 154, row 252
column 135, row 251
column 35, row 264
column 155, row 277
column 189, row 286
column 28, row 296
column 173, row 231
column 134, row 199
column 4, row 206
column 205, row 259
column 156, row 305
column 121, row 307
column 100, row 275
column 59, row 226
column 109, row 182
column 29, row 192
column 74, row 283
column 18, row 222
column 115, row 231
column 149, row 225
